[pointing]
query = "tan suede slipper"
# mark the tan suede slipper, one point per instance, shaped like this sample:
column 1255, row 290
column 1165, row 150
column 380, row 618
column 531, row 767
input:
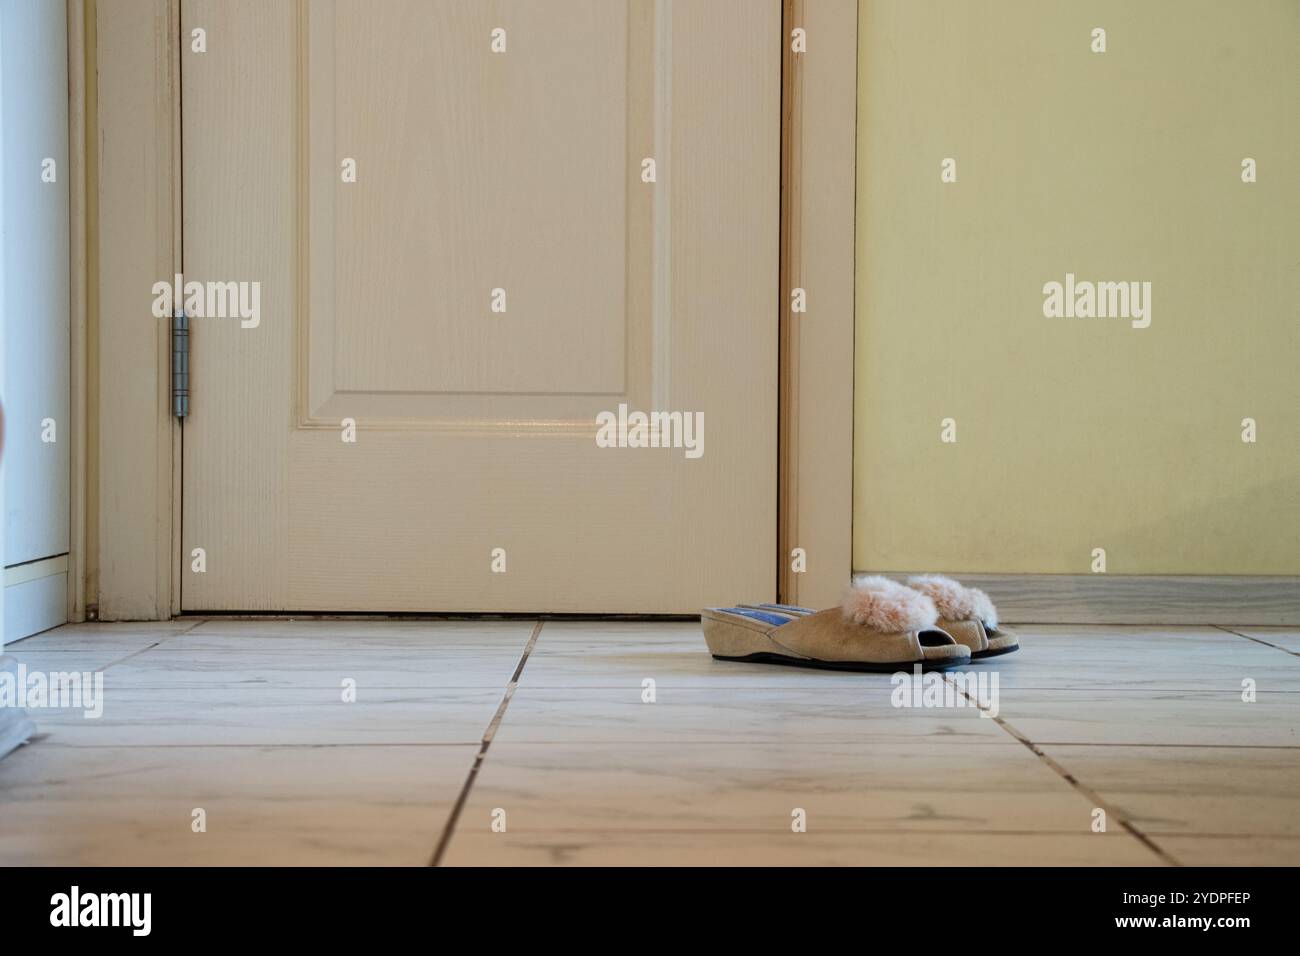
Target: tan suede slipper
column 967, row 614
column 881, row 626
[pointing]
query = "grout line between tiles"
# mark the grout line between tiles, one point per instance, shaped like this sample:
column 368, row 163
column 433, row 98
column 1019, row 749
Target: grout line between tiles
column 1112, row 812
column 493, row 725
column 1276, row 647
column 148, row 647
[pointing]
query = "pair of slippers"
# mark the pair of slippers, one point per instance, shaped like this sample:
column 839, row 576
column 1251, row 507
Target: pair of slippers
column 882, row 625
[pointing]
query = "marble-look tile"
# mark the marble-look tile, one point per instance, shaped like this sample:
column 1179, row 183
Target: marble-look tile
column 81, row 660
column 268, row 716
column 1233, row 850
column 1282, row 637
column 264, row 805
column 608, row 654
column 749, row 848
column 1203, row 718
column 1140, row 659
column 595, row 654
column 307, row 655
column 91, row 647
column 353, row 635
column 489, row 665
column 850, row 786
column 568, row 636
column 121, row 639
column 725, row 716
column 623, row 654
column 245, row 718
column 1193, row 790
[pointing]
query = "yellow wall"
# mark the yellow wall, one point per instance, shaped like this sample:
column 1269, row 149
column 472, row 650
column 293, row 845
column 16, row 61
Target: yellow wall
column 1074, row 434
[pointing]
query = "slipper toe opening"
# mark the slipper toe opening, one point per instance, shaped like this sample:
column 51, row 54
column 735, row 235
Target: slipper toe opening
column 933, row 637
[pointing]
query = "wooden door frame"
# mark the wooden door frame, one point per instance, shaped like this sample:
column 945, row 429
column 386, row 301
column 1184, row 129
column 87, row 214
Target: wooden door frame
column 124, row 79
column 124, row 158
column 818, row 217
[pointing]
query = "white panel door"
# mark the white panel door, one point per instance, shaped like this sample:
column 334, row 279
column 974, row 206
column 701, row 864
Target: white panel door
column 34, row 88
column 444, row 206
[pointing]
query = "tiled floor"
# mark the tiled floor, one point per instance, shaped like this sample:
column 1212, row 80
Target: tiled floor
column 626, row 743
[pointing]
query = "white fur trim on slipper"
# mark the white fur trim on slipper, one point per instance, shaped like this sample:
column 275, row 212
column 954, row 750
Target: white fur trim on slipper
column 955, row 601
column 887, row 606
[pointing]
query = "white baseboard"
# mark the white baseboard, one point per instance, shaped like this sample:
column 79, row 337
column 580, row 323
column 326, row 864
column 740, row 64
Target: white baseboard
column 36, row 597
column 1140, row 599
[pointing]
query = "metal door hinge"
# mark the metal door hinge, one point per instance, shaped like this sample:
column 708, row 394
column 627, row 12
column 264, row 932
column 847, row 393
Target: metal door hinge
column 180, row 364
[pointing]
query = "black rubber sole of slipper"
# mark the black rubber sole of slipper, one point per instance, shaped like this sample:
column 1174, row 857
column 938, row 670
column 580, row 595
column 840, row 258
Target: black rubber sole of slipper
column 984, row 655
column 769, row 658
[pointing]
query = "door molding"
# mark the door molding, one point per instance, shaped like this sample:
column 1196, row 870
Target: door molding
column 818, row 218
column 81, row 73
column 124, row 110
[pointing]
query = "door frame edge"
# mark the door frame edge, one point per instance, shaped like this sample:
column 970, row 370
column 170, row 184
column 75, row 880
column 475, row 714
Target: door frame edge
column 124, row 78
column 818, row 223
column 81, row 75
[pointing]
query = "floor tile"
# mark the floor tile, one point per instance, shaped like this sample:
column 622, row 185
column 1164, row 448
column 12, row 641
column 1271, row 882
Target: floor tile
column 272, row 805
column 1233, row 850
column 489, row 665
column 752, row 713
column 1193, row 790
column 227, row 634
column 88, row 647
column 673, row 654
column 266, row 716
column 622, row 848
column 432, row 656
column 593, row 654
column 82, row 660
column 1140, row 659
column 1159, row 717
column 851, row 786
column 1283, row 637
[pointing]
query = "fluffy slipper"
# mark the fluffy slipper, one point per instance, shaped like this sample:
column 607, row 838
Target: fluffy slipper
column 880, row 626
column 967, row 614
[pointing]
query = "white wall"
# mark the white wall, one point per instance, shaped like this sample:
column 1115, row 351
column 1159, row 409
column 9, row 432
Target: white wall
column 34, row 86
column 4, row 402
